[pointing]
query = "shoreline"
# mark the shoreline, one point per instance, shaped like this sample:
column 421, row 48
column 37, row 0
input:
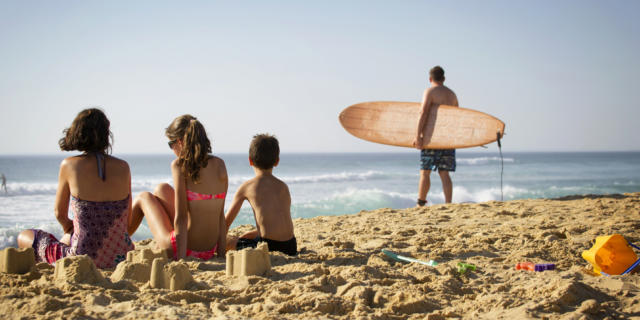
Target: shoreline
column 341, row 273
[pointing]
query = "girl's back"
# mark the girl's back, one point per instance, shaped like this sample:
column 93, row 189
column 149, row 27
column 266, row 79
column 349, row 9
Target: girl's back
column 205, row 215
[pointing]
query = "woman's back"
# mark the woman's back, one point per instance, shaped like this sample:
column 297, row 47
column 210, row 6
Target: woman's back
column 205, row 215
column 100, row 200
column 85, row 182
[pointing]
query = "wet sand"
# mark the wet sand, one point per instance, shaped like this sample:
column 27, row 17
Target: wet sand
column 342, row 274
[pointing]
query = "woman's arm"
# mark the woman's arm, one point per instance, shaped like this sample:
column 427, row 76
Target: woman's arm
column 62, row 198
column 130, row 205
column 181, row 218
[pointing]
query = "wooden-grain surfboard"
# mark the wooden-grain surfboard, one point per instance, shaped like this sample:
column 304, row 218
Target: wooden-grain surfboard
column 395, row 123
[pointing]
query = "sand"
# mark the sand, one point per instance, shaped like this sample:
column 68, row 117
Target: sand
column 342, row 274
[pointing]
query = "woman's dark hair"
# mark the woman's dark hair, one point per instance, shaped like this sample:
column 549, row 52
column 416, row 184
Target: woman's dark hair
column 264, row 151
column 89, row 132
column 195, row 144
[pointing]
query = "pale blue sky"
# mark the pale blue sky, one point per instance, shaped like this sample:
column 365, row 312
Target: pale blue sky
column 562, row 75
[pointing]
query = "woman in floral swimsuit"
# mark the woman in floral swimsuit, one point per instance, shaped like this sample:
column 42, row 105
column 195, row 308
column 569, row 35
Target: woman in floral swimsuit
column 98, row 188
column 187, row 220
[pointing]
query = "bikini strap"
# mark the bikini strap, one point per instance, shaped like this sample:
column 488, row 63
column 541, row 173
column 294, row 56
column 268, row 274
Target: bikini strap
column 102, row 166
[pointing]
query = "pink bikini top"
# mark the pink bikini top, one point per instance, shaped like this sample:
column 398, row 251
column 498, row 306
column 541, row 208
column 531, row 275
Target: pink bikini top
column 191, row 196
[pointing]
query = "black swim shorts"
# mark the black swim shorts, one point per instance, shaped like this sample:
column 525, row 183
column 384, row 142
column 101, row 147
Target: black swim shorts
column 440, row 159
column 289, row 247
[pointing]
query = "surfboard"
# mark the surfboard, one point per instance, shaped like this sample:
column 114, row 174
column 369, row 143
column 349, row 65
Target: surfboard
column 395, row 123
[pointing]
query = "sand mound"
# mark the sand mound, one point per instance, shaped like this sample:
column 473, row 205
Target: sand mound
column 341, row 273
column 78, row 269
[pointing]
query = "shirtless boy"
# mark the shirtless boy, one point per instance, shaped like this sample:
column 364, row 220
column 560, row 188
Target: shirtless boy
column 269, row 198
column 431, row 159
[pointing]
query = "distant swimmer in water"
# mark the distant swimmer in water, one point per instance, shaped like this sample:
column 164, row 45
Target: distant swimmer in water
column 4, row 183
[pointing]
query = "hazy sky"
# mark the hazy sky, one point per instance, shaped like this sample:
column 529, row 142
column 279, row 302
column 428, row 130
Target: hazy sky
column 562, row 75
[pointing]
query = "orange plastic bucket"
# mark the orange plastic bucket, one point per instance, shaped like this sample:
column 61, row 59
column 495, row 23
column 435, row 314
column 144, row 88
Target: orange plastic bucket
column 610, row 255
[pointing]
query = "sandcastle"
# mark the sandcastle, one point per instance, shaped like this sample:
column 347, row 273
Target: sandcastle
column 172, row 276
column 78, row 269
column 249, row 261
column 153, row 266
column 14, row 260
column 137, row 267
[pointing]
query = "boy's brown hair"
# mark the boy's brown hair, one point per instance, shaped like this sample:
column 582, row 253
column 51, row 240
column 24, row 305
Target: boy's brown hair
column 89, row 132
column 264, row 151
column 437, row 73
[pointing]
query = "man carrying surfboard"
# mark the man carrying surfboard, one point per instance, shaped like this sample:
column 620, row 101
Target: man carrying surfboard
column 444, row 160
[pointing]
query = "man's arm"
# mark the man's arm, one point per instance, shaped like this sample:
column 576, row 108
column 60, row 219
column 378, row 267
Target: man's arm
column 424, row 114
column 236, row 204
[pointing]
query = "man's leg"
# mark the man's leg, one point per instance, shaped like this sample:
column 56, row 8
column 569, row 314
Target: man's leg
column 447, row 185
column 424, row 185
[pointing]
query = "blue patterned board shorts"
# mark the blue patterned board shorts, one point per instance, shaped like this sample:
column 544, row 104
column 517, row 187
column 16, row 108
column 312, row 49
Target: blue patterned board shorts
column 441, row 159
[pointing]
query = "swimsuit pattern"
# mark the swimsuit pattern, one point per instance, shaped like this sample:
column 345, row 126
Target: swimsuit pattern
column 99, row 231
column 440, row 159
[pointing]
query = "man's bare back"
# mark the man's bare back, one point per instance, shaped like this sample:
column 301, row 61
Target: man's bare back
column 441, row 95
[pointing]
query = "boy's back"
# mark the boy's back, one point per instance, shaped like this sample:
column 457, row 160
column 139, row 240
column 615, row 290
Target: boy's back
column 270, row 200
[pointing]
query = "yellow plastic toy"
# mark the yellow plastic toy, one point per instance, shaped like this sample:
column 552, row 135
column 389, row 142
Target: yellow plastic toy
column 610, row 255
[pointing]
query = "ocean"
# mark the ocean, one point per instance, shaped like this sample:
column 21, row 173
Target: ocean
column 340, row 183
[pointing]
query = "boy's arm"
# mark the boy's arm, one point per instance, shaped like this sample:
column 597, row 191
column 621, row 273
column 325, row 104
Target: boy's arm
column 181, row 219
column 424, row 114
column 236, row 204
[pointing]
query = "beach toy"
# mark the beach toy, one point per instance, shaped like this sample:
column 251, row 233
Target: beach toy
column 611, row 255
column 544, row 266
column 530, row 266
column 398, row 257
column 526, row 266
column 464, row 267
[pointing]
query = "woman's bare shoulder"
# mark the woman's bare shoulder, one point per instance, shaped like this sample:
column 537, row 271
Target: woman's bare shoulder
column 119, row 161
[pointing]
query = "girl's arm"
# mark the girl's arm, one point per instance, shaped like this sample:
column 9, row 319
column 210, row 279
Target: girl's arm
column 181, row 218
column 222, row 235
column 222, row 224
column 62, row 198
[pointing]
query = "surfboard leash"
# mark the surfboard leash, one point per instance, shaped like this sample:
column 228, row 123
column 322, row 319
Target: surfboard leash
column 498, row 136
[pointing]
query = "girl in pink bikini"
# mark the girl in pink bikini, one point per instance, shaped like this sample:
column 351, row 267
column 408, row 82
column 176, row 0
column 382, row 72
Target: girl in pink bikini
column 97, row 186
column 187, row 220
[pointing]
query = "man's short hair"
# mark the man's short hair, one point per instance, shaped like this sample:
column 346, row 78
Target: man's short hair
column 264, row 151
column 437, row 73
